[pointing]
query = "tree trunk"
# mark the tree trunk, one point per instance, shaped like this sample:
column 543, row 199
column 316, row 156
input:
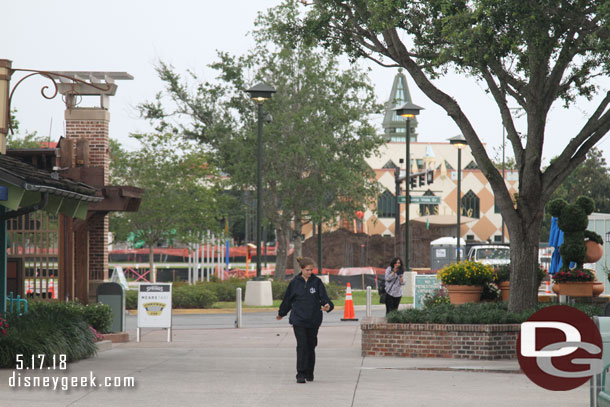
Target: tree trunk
column 524, row 242
column 283, row 242
column 298, row 244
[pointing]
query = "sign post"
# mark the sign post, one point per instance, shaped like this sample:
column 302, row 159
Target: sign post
column 155, row 308
column 424, row 199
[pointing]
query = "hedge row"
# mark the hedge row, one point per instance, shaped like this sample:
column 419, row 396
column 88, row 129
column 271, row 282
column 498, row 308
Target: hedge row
column 53, row 328
column 205, row 294
column 481, row 313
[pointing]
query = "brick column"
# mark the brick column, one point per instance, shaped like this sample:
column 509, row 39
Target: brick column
column 98, row 239
column 92, row 124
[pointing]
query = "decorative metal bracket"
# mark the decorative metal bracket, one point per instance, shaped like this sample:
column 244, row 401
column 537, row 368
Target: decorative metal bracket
column 50, row 75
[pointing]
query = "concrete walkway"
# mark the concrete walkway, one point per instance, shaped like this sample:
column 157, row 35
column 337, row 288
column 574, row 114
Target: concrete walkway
column 256, row 367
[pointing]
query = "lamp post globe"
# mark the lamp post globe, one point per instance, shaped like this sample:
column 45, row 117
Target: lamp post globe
column 407, row 111
column 259, row 93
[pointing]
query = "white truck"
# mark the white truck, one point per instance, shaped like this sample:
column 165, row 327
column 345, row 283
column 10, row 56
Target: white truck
column 490, row 254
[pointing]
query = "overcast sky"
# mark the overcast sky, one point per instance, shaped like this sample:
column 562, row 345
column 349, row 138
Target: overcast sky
column 133, row 35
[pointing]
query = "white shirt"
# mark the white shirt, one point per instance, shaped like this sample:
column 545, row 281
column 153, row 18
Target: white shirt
column 393, row 285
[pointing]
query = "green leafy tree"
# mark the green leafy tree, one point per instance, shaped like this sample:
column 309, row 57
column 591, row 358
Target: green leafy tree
column 182, row 193
column 315, row 145
column 591, row 179
column 526, row 54
column 18, row 140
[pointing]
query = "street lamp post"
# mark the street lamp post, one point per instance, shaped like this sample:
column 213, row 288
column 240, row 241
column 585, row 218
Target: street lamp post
column 511, row 109
column 459, row 142
column 259, row 93
column 397, row 208
column 503, row 173
column 408, row 111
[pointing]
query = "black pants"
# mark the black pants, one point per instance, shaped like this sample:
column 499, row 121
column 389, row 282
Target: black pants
column 391, row 303
column 307, row 340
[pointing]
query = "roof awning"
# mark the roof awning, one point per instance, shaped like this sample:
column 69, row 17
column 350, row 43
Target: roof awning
column 27, row 184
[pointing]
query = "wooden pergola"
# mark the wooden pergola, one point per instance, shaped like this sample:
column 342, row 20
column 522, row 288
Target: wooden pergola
column 28, row 190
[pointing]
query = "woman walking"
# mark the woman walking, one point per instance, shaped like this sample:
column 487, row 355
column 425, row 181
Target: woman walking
column 305, row 299
column 393, row 284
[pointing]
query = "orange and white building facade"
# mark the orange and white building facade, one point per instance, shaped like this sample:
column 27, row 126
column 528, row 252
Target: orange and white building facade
column 483, row 219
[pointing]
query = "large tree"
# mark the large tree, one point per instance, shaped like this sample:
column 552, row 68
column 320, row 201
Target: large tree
column 315, row 143
column 182, row 196
column 530, row 54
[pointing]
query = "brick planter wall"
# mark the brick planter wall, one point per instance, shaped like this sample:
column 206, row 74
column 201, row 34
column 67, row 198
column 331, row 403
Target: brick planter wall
column 488, row 342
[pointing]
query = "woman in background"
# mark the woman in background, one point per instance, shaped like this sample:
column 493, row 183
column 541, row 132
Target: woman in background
column 394, row 282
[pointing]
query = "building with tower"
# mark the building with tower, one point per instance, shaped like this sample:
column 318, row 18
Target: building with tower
column 481, row 219
column 433, row 169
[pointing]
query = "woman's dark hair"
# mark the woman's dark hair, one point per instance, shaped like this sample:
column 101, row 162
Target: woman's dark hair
column 402, row 264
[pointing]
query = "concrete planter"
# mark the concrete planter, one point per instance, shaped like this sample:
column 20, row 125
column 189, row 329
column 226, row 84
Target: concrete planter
column 482, row 342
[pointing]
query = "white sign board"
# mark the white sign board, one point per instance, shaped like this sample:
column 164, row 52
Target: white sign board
column 441, row 253
column 155, row 306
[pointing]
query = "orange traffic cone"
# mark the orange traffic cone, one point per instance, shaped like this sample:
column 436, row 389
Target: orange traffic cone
column 548, row 288
column 52, row 289
column 348, row 313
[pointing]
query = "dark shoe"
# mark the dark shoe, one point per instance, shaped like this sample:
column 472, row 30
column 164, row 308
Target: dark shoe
column 309, row 378
column 300, row 380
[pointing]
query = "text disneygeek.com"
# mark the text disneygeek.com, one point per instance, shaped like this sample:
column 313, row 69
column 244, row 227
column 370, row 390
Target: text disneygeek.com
column 65, row 383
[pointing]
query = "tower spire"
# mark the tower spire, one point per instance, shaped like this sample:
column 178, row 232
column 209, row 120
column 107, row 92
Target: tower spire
column 394, row 126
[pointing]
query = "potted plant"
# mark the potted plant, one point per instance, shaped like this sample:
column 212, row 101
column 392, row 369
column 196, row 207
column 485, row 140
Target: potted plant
column 502, row 279
column 576, row 282
column 572, row 219
column 465, row 280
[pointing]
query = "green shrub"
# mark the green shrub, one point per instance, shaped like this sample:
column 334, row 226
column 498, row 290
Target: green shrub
column 98, row 316
column 335, row 291
column 572, row 219
column 490, row 293
column 502, row 273
column 131, row 299
column 49, row 328
column 482, row 313
column 278, row 288
column 226, row 290
column 439, row 296
column 193, row 296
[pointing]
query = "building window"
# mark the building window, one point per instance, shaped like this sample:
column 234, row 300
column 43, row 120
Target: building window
column 472, row 166
column 498, row 238
column 447, row 165
column 389, row 164
column 470, row 205
column 386, row 205
column 430, row 209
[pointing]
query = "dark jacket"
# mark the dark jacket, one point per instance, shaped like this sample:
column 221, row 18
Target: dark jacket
column 305, row 299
